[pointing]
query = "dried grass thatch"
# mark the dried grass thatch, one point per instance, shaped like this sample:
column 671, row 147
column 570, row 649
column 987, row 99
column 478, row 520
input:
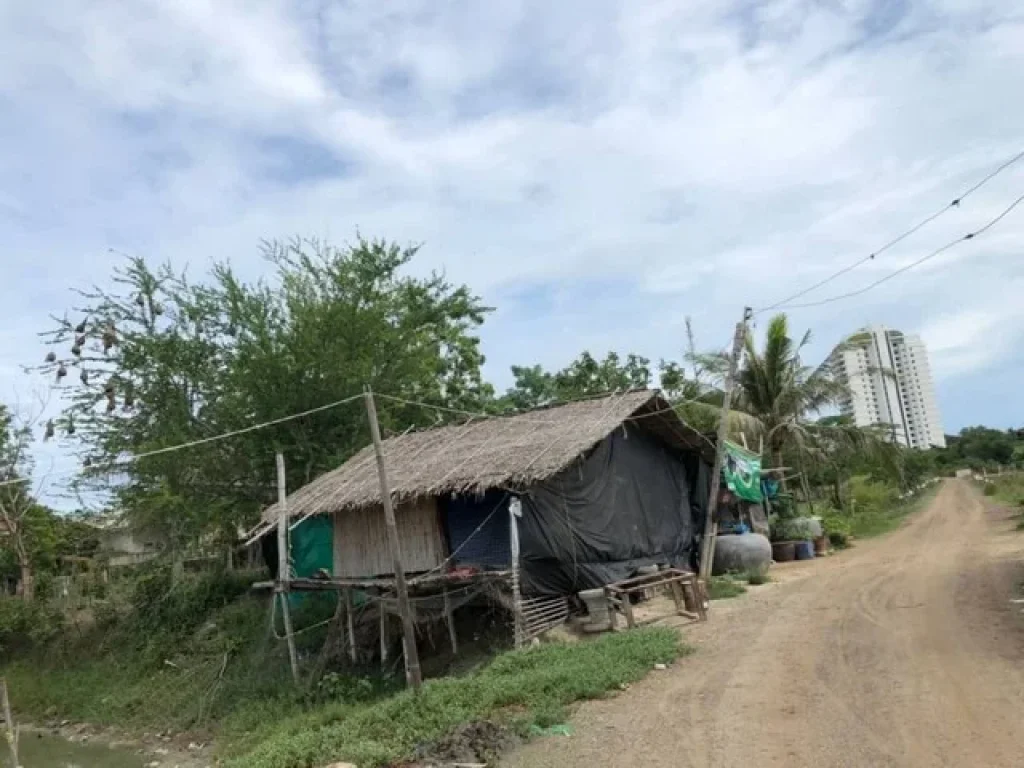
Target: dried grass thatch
column 478, row 455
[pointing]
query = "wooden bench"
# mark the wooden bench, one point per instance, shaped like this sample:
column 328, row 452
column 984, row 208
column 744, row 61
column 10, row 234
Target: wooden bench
column 687, row 592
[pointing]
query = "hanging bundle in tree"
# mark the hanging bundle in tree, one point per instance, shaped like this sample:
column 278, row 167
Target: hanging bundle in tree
column 84, row 376
column 129, row 396
column 80, row 340
column 140, row 300
column 108, row 389
column 76, row 351
column 111, row 404
column 51, row 357
column 109, row 338
column 49, row 430
column 71, row 425
column 80, row 328
column 62, row 371
column 158, row 309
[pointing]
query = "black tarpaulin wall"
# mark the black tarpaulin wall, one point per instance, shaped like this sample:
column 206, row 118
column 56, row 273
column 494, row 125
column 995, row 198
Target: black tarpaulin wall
column 628, row 503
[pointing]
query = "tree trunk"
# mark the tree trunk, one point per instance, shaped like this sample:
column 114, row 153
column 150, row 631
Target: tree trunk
column 777, row 462
column 27, row 587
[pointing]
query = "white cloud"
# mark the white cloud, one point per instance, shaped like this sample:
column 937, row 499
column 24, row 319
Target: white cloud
column 699, row 156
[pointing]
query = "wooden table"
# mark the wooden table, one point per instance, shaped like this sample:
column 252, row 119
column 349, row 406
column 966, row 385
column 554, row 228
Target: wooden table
column 687, row 592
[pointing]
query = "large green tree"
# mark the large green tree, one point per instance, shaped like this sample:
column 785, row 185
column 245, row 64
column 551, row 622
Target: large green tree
column 155, row 360
column 583, row 377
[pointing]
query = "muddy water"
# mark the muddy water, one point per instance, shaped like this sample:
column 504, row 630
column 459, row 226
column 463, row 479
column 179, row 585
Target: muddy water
column 45, row 751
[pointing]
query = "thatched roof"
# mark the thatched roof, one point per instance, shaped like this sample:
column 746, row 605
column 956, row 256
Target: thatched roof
column 478, row 455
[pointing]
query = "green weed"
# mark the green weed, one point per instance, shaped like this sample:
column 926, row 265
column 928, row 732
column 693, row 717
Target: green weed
column 724, row 587
column 756, row 576
column 537, row 683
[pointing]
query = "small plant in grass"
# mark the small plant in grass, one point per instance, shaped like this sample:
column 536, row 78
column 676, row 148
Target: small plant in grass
column 989, row 489
column 756, row 576
column 724, row 587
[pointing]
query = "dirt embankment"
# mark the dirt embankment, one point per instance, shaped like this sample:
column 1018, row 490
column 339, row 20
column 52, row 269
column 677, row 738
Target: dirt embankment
column 905, row 651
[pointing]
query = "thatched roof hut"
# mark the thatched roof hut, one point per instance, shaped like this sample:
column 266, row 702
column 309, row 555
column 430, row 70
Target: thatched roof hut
column 606, row 485
column 499, row 452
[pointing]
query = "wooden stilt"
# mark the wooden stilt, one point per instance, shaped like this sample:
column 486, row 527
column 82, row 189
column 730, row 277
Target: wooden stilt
column 350, row 626
column 514, row 510
column 450, row 618
column 383, row 634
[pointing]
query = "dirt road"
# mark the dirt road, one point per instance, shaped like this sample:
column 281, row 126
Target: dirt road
column 904, row 651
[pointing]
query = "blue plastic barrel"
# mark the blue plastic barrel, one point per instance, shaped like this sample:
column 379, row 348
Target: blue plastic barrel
column 805, row 550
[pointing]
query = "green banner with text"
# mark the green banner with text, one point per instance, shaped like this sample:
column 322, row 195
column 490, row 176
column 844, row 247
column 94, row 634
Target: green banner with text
column 742, row 472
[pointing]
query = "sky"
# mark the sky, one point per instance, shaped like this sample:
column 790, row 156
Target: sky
column 597, row 171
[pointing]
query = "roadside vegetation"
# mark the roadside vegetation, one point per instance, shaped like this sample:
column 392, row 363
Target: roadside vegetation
column 201, row 661
column 521, row 690
column 1008, row 490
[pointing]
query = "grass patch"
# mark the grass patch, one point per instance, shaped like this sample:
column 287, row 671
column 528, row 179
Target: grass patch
column 724, row 587
column 537, row 684
column 756, row 576
column 1007, row 489
column 875, row 517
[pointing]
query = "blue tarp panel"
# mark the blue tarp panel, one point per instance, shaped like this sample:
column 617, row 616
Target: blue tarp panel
column 490, row 547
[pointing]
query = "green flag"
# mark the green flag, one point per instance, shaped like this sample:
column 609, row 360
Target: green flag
column 742, row 472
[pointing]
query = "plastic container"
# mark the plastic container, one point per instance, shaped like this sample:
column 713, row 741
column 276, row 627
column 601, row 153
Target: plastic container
column 804, row 550
column 783, row 551
column 820, row 546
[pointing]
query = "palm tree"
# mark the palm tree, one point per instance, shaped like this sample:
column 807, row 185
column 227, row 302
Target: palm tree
column 775, row 388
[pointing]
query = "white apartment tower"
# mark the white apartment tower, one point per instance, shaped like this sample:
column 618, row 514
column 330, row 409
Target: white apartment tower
column 890, row 385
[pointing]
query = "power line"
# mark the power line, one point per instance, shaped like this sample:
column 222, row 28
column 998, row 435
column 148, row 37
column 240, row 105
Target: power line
column 955, row 203
column 911, row 265
column 203, row 441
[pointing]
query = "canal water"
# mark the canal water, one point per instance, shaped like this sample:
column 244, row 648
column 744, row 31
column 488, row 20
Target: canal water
column 45, row 751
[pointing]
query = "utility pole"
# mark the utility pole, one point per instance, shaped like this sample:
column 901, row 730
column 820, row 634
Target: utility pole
column 412, row 658
column 707, row 548
column 283, row 587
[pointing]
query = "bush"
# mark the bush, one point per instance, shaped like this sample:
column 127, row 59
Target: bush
column 989, row 489
column 25, row 624
column 790, row 530
column 839, row 539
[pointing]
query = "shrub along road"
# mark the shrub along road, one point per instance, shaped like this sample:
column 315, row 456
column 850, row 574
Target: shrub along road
column 904, row 651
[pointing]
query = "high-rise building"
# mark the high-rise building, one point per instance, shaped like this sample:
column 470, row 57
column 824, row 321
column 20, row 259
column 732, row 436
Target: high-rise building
column 890, row 385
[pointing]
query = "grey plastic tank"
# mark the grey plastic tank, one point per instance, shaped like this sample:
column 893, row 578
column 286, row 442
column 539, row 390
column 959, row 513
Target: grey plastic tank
column 738, row 552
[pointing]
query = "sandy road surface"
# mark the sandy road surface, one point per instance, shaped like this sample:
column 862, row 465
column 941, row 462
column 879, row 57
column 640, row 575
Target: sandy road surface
column 904, row 651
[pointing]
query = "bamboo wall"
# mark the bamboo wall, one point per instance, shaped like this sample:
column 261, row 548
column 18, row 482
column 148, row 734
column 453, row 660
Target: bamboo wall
column 361, row 547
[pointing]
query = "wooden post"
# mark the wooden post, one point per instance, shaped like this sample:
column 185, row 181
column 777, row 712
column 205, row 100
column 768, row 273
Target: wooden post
column 451, row 621
column 12, row 731
column 350, row 629
column 383, row 633
column 283, row 574
column 412, row 659
column 710, row 525
column 514, row 510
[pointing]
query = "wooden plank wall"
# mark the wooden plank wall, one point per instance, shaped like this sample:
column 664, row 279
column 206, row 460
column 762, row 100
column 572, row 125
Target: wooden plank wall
column 361, row 541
